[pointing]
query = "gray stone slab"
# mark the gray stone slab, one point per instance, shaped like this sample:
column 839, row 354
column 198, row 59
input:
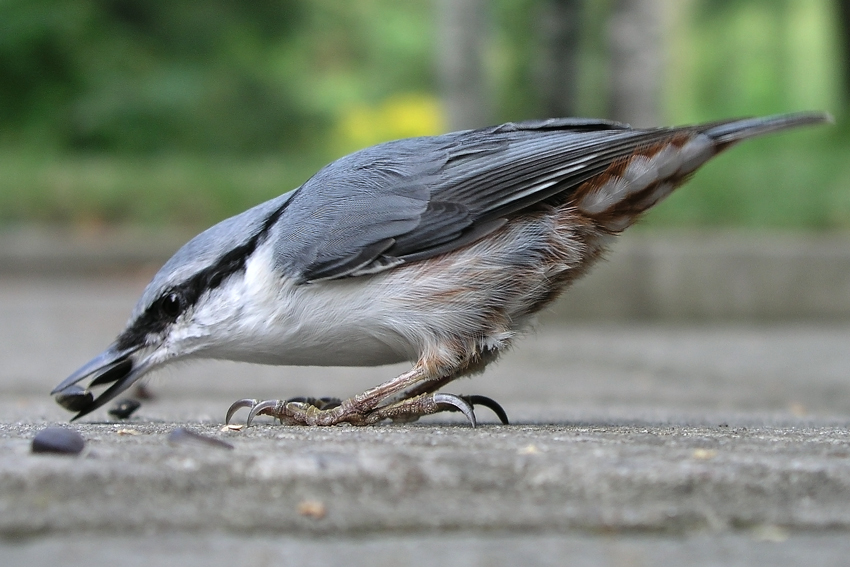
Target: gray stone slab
column 718, row 276
column 49, row 251
column 593, row 475
column 763, row 546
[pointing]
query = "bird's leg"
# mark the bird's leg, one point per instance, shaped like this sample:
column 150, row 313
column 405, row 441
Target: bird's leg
column 354, row 410
column 365, row 409
column 405, row 398
column 474, row 366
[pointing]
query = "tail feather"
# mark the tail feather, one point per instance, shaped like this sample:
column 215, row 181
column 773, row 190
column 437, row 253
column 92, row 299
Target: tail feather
column 736, row 130
column 630, row 186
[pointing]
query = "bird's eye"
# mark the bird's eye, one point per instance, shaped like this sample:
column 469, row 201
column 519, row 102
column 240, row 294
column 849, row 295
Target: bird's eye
column 171, row 305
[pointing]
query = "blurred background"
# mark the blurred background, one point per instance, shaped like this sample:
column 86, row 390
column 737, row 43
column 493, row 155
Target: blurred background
column 179, row 113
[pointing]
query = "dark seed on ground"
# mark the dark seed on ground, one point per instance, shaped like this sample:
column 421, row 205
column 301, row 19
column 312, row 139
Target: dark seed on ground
column 183, row 436
column 58, row 440
column 74, row 398
column 124, row 408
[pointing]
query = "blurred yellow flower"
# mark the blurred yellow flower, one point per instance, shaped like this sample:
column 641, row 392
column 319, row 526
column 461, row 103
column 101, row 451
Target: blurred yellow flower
column 400, row 116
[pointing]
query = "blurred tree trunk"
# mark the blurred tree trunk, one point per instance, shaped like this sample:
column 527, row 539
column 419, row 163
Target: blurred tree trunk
column 635, row 33
column 844, row 22
column 560, row 32
column 462, row 27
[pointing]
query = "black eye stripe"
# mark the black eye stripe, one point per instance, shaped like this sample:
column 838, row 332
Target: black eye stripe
column 156, row 320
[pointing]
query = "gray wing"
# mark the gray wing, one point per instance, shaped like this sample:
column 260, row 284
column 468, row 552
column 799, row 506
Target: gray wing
column 413, row 199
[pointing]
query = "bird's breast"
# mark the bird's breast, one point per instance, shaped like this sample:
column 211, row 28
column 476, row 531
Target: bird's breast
column 464, row 302
column 336, row 323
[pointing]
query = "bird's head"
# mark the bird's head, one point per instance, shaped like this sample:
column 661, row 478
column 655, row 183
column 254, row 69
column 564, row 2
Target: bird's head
column 182, row 310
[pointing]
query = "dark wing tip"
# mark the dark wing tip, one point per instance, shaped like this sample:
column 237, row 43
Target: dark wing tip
column 741, row 129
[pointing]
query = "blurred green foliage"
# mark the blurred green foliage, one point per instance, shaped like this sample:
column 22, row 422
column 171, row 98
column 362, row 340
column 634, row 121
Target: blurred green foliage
column 154, row 111
column 135, row 75
column 754, row 57
column 214, row 76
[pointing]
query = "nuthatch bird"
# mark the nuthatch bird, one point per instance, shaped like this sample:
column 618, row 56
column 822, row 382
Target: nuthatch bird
column 435, row 250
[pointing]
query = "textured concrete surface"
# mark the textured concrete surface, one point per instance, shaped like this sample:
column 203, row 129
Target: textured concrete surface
column 672, row 477
column 772, row 546
column 634, row 443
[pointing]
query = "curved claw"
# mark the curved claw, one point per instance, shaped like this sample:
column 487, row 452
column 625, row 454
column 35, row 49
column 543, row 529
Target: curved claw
column 236, row 406
column 457, row 402
column 491, row 404
column 260, row 408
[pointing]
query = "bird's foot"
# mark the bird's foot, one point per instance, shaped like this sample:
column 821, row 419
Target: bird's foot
column 411, row 409
column 331, row 411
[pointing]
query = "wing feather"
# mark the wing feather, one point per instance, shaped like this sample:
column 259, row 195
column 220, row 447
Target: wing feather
column 412, row 199
column 429, row 195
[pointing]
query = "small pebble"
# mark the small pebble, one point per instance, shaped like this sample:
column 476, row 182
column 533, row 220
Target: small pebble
column 183, row 436
column 122, row 409
column 74, row 398
column 58, row 440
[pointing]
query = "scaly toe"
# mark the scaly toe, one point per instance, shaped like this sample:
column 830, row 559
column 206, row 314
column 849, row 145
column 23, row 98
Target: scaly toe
column 294, row 411
column 266, row 407
column 411, row 409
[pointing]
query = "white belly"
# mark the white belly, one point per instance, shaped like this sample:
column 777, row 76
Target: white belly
column 459, row 304
column 268, row 320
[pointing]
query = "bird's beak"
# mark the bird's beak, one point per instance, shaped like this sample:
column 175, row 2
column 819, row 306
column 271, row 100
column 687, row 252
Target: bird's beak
column 113, row 366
